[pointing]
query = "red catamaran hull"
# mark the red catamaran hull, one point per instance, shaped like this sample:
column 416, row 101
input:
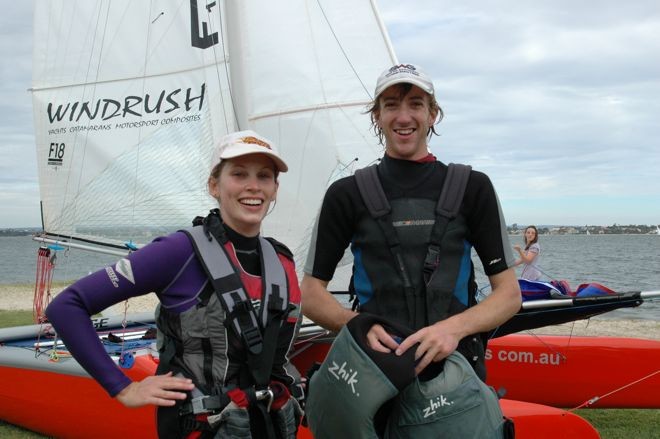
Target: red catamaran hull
column 67, row 406
column 564, row 371
column 70, row 406
column 59, row 399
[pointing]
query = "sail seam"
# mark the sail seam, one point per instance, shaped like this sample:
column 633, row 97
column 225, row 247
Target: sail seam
column 110, row 81
column 326, row 106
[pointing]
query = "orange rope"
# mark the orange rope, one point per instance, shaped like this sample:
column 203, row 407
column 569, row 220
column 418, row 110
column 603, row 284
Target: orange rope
column 45, row 266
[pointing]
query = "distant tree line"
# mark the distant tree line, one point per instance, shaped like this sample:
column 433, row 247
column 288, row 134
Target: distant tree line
column 23, row 231
column 513, row 229
column 614, row 229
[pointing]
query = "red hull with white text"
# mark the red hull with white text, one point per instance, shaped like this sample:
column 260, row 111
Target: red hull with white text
column 568, row 371
column 565, row 371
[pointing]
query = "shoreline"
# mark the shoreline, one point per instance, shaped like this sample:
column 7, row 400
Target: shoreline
column 20, row 297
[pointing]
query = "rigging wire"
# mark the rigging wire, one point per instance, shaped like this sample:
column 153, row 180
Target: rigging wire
column 341, row 47
column 157, row 17
column 595, row 399
column 74, row 206
column 227, row 73
column 139, row 138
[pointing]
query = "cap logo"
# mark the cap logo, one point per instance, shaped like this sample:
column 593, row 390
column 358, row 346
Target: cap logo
column 254, row 141
column 403, row 68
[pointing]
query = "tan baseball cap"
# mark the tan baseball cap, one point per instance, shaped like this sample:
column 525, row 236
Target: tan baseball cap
column 243, row 143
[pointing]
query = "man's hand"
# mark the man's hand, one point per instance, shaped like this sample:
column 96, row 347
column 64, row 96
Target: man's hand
column 380, row 340
column 436, row 342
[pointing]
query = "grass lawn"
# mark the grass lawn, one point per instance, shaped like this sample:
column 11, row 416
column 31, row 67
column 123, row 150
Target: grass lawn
column 611, row 423
column 15, row 318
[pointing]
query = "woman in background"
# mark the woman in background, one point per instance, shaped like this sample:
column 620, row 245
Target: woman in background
column 530, row 256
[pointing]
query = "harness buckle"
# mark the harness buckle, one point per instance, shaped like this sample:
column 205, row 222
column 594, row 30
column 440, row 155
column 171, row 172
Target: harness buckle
column 207, row 404
column 431, row 262
column 199, row 406
column 265, row 395
column 252, row 339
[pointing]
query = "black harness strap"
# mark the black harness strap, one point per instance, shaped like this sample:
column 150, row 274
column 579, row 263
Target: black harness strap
column 372, row 191
column 380, row 210
column 273, row 311
column 447, row 208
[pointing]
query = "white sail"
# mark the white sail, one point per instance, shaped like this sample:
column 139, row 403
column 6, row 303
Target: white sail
column 305, row 71
column 130, row 96
column 125, row 111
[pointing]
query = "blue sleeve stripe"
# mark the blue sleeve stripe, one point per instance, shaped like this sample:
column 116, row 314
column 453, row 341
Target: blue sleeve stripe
column 361, row 281
column 461, row 290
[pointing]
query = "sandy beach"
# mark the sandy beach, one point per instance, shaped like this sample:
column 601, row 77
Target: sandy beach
column 19, row 297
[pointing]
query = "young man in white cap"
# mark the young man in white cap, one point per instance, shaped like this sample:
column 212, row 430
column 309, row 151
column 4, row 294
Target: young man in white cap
column 394, row 273
column 215, row 361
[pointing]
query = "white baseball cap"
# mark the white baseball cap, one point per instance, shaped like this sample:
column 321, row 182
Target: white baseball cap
column 243, row 143
column 404, row 73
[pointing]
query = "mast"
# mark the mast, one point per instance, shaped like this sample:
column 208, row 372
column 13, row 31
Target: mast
column 237, row 52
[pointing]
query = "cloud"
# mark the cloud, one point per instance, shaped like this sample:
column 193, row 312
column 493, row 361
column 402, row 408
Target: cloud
column 555, row 101
column 18, row 174
column 551, row 99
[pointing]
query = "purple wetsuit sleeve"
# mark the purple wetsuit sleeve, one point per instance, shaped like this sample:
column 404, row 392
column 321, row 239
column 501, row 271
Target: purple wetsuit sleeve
column 150, row 269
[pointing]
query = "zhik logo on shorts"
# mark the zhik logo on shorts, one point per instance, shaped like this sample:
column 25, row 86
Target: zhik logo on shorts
column 342, row 373
column 435, row 404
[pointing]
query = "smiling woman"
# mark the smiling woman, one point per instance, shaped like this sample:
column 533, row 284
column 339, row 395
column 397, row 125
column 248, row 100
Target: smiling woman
column 530, row 256
column 244, row 180
column 244, row 188
column 208, row 278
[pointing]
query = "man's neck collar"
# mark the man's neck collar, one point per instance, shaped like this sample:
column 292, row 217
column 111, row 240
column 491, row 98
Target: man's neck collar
column 426, row 159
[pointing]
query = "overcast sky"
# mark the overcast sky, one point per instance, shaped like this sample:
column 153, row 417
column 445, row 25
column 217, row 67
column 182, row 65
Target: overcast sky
column 557, row 101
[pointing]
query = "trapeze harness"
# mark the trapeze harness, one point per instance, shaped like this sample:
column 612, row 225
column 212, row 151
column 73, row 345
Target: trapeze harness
column 213, row 408
column 355, row 381
column 436, row 301
column 448, row 400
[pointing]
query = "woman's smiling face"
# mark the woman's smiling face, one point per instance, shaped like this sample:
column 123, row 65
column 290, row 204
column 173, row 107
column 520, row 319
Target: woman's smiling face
column 244, row 189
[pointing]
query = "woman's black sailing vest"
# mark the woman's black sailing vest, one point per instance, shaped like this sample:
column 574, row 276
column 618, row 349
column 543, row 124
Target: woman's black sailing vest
column 412, row 254
column 195, row 342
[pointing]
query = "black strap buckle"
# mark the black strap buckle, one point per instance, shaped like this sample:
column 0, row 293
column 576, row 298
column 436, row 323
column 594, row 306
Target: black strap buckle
column 431, row 262
column 252, row 339
column 203, row 404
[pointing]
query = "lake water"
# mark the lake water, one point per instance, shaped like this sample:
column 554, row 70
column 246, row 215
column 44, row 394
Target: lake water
column 620, row 262
column 18, row 261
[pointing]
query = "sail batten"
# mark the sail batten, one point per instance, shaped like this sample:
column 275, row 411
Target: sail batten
column 119, row 80
column 319, row 107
